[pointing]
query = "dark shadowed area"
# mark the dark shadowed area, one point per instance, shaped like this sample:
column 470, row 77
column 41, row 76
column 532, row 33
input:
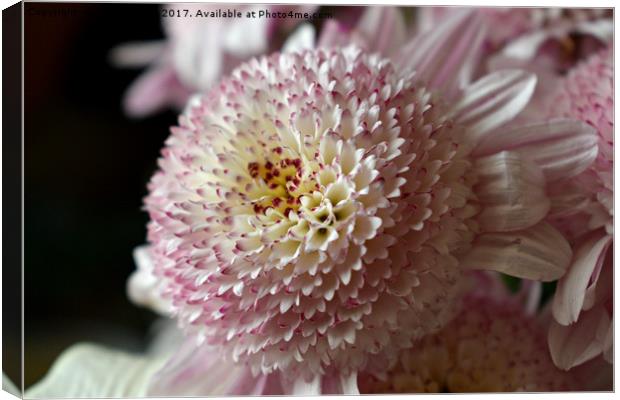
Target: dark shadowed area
column 86, row 169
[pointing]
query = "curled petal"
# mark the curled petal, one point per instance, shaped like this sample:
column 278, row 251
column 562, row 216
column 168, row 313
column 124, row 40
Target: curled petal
column 494, row 100
column 562, row 147
column 538, row 253
column 575, row 344
column 571, row 291
column 511, row 190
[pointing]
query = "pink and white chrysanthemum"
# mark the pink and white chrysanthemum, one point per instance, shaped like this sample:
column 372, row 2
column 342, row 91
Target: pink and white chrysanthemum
column 493, row 345
column 319, row 207
column 582, row 208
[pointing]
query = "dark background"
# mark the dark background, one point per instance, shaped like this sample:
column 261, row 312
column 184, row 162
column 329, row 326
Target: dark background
column 86, row 169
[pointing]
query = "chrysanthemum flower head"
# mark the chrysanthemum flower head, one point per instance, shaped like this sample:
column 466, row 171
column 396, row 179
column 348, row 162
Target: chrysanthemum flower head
column 582, row 208
column 491, row 346
column 318, row 207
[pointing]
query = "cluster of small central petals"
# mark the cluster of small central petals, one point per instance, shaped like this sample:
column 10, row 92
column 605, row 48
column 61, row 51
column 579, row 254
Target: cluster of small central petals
column 309, row 210
column 491, row 346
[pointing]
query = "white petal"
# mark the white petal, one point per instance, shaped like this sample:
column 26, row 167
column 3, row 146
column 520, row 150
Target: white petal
column 246, row 37
column 582, row 341
column 571, row 290
column 349, row 383
column 143, row 287
column 561, row 147
column 87, row 370
column 303, row 388
column 9, row 386
column 512, row 192
column 200, row 370
column 494, row 100
column 301, row 39
column 538, row 253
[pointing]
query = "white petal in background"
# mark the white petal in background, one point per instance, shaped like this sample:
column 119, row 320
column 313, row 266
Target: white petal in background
column 493, row 101
column 571, row 290
column 511, row 190
column 575, row 344
column 561, row 147
column 538, row 253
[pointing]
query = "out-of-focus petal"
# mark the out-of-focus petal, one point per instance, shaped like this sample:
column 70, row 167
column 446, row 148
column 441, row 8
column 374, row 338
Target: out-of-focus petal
column 87, row 370
column 137, row 54
column 303, row 38
column 445, row 57
column 571, row 289
column 143, row 287
column 199, row 370
column 152, row 91
column 494, row 100
column 246, row 37
column 561, row 147
column 511, row 190
column 538, row 253
column 9, row 386
column 575, row 344
column 383, row 30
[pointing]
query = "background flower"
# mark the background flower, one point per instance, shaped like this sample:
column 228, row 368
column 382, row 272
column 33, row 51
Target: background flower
column 197, row 51
column 583, row 209
column 490, row 346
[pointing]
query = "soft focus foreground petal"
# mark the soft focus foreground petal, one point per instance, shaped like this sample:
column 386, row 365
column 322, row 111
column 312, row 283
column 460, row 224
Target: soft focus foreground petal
column 561, row 147
column 582, row 341
column 538, row 253
column 445, row 57
column 9, row 386
column 152, row 91
column 199, row 370
column 571, row 290
column 143, row 286
column 511, row 190
column 383, row 30
column 87, row 370
column 301, row 39
column 494, row 100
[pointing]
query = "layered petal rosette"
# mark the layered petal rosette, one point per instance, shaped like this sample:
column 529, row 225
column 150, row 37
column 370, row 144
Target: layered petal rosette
column 319, row 207
column 493, row 345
